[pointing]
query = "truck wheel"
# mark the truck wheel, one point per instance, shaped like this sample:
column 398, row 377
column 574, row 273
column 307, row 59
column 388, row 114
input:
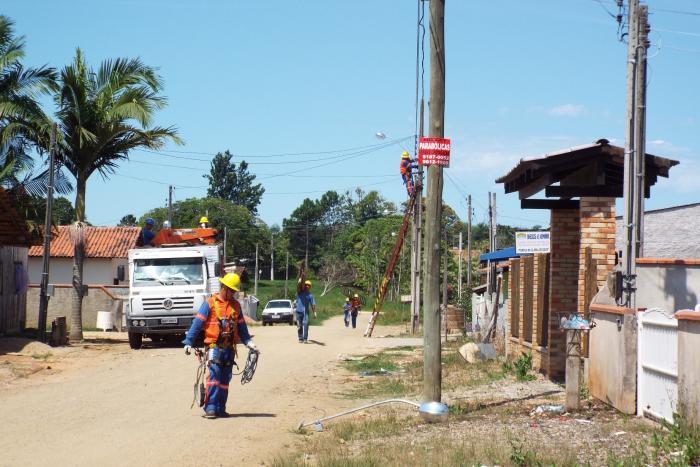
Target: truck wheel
column 135, row 340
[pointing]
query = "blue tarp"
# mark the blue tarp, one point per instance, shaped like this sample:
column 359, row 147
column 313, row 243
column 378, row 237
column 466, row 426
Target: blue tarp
column 499, row 255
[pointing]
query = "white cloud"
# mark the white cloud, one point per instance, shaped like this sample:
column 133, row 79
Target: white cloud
column 566, row 110
column 657, row 142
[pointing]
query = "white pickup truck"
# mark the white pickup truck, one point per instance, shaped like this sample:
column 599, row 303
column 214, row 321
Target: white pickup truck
column 167, row 286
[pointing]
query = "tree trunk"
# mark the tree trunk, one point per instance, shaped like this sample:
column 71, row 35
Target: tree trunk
column 76, row 320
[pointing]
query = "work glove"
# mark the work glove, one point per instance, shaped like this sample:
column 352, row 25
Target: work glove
column 188, row 349
column 253, row 348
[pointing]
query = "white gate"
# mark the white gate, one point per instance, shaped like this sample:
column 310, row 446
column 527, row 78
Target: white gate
column 657, row 364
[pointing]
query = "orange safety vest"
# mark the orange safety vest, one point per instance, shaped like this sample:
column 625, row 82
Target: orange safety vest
column 212, row 328
column 405, row 166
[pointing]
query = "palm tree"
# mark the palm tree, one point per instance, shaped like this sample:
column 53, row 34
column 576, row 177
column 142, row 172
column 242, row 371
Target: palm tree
column 102, row 115
column 23, row 125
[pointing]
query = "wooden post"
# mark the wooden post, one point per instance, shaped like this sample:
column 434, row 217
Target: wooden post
column 432, row 370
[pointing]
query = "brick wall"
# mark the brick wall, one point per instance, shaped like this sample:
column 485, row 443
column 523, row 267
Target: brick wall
column 598, row 233
column 563, row 274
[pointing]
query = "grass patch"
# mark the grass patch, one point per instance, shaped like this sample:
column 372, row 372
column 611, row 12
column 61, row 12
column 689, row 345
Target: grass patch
column 372, row 428
column 374, row 362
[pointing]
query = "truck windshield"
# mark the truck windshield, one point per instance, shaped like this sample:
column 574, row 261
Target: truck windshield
column 168, row 271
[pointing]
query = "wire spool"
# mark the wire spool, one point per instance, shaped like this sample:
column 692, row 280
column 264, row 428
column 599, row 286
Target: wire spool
column 454, row 318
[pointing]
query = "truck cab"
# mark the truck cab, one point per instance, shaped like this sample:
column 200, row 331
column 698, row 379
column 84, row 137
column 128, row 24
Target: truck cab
column 168, row 284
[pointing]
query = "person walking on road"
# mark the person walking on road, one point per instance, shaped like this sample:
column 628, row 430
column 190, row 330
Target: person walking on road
column 305, row 305
column 346, row 312
column 355, row 306
column 224, row 326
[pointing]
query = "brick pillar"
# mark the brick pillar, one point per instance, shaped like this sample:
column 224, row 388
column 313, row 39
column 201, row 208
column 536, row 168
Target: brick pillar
column 598, row 233
column 563, row 274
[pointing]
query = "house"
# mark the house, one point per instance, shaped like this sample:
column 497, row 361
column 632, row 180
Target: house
column 105, row 256
column 105, row 272
column 15, row 240
column 668, row 233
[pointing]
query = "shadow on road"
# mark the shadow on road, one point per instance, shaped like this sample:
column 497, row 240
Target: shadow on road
column 311, row 341
column 482, row 406
column 252, row 415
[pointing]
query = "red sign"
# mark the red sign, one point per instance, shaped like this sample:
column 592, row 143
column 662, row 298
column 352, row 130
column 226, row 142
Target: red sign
column 434, row 151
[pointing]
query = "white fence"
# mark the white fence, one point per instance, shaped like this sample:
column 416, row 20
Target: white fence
column 657, row 372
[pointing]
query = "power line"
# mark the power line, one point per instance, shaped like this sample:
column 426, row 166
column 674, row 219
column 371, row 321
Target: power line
column 685, row 33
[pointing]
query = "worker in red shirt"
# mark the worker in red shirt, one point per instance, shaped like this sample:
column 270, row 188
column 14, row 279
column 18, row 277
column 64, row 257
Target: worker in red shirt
column 355, row 306
column 407, row 164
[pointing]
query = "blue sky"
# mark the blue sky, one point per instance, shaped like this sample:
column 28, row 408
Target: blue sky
column 265, row 78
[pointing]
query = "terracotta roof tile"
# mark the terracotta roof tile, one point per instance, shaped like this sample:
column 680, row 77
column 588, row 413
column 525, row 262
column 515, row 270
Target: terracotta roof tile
column 102, row 242
column 13, row 226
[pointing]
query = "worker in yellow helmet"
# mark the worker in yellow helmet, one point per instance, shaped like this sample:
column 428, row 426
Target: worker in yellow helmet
column 305, row 304
column 204, row 222
column 355, row 305
column 346, row 312
column 407, row 164
column 222, row 321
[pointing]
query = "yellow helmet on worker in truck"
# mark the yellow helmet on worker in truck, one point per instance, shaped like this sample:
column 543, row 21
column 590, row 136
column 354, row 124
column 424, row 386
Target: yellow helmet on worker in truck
column 405, row 155
column 231, row 280
column 204, row 220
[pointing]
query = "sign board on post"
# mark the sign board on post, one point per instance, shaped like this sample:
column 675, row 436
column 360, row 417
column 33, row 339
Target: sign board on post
column 531, row 242
column 434, row 151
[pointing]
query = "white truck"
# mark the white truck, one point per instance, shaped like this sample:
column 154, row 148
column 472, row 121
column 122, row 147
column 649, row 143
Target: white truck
column 167, row 286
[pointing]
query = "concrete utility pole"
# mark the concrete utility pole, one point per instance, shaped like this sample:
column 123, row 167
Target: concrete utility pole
column 255, row 288
column 272, row 256
column 432, row 371
column 640, row 125
column 44, row 297
column 416, row 254
column 170, row 205
column 459, row 273
column 633, row 183
column 286, row 275
column 306, row 257
column 444, row 270
column 469, row 241
column 489, row 288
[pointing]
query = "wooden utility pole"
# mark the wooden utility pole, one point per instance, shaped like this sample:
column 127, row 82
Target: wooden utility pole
column 44, row 296
column 272, row 256
column 170, row 205
column 255, row 288
column 444, row 270
column 469, row 241
column 489, row 288
column 432, row 371
column 306, row 257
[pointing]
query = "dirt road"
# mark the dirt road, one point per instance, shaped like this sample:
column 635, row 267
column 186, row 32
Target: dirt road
column 109, row 405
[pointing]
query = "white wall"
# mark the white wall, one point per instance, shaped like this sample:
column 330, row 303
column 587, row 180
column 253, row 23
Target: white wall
column 95, row 270
column 670, row 287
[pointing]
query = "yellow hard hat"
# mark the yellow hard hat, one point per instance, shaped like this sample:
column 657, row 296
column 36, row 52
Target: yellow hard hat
column 308, row 283
column 203, row 220
column 231, row 280
column 405, row 155
column 347, row 299
column 356, row 296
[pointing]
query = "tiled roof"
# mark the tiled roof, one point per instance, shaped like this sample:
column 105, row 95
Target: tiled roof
column 13, row 226
column 102, row 242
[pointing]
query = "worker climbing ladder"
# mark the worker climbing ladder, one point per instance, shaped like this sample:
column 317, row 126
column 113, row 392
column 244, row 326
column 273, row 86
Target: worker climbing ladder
column 392, row 264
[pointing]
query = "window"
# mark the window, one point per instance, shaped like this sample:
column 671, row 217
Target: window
column 168, row 271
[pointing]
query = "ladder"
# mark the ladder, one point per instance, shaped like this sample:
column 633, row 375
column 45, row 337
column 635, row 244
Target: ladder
column 392, row 264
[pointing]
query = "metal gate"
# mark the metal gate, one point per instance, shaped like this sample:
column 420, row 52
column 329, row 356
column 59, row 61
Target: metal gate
column 657, row 372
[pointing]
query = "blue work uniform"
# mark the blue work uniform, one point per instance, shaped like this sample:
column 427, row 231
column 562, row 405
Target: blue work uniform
column 219, row 359
column 304, row 303
column 346, row 313
column 147, row 236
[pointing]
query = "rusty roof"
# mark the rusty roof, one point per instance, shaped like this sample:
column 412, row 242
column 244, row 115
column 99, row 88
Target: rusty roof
column 102, row 242
column 13, row 225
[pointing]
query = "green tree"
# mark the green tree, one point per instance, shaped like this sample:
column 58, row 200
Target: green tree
column 103, row 114
column 243, row 230
column 24, row 127
column 128, row 221
column 226, row 181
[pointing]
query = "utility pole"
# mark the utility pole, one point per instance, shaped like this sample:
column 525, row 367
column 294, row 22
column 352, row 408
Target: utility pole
column 286, row 275
column 306, row 257
column 225, row 241
column 170, row 205
column 44, row 297
column 432, row 371
column 643, row 29
column 630, row 169
column 459, row 274
column 444, row 271
column 255, row 288
column 469, row 241
column 417, row 240
column 488, row 266
column 272, row 256
column 494, row 264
